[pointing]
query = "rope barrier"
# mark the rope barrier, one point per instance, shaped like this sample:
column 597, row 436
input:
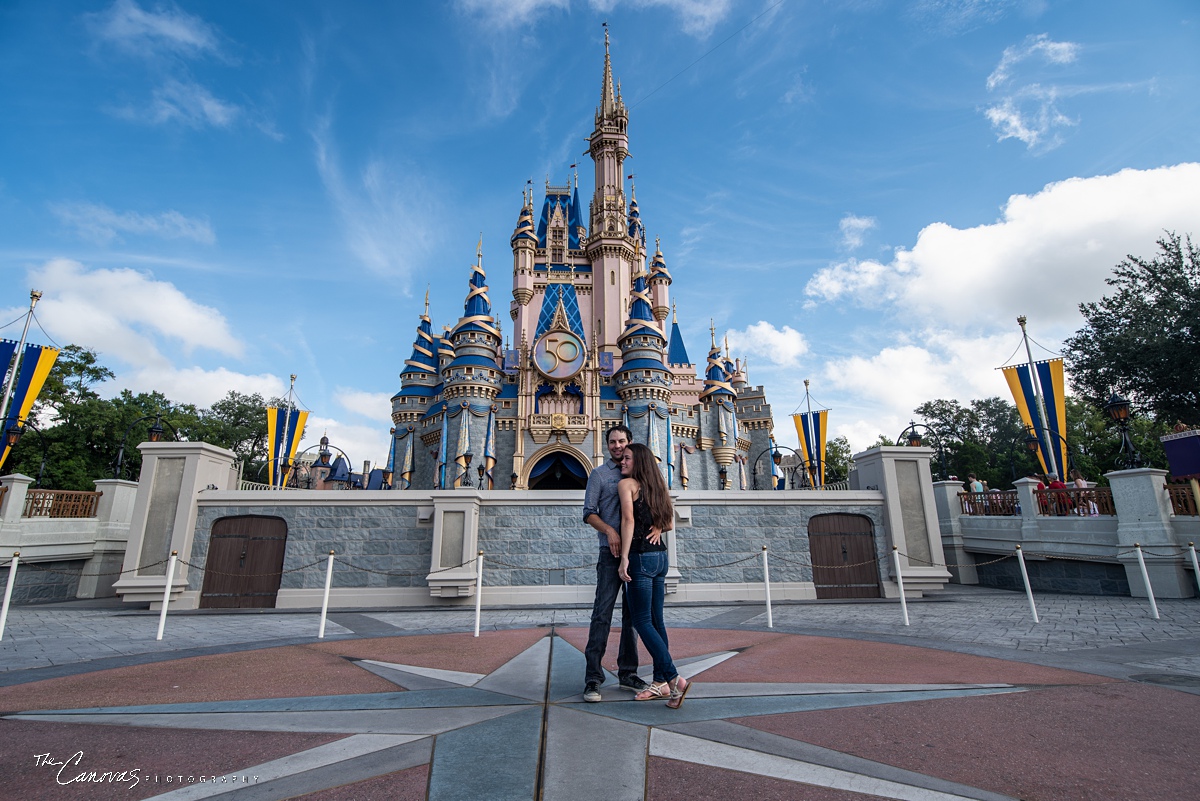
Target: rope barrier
column 203, row 569
column 406, row 574
column 33, row 566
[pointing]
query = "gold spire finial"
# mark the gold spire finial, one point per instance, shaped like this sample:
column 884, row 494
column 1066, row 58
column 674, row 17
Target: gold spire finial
column 674, row 315
column 712, row 331
column 426, row 300
column 479, row 247
column 727, row 346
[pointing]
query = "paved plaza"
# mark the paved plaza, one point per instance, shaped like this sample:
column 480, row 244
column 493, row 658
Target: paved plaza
column 838, row 701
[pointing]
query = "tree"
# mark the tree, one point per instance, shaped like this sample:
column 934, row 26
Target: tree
column 837, row 459
column 982, row 437
column 1143, row 340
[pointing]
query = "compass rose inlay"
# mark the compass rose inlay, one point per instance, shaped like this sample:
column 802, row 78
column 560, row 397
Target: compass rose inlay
column 523, row 731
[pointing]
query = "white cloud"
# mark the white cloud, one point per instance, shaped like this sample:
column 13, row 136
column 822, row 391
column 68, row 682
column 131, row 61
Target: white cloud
column 1028, row 111
column 777, row 346
column 1049, row 252
column 198, row 386
column 376, row 405
column 854, row 230
column 387, row 219
column 98, row 223
column 509, row 13
column 128, row 26
column 121, row 313
column 360, row 443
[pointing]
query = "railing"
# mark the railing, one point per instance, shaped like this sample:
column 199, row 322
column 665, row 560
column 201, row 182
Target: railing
column 998, row 504
column 60, row 503
column 256, row 487
column 1182, row 500
column 1072, row 501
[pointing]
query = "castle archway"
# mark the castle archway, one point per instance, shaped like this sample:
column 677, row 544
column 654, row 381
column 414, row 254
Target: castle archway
column 558, row 470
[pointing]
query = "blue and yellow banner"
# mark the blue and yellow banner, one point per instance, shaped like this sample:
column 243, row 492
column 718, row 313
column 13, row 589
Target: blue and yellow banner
column 35, row 367
column 281, row 423
column 813, row 446
column 1052, row 445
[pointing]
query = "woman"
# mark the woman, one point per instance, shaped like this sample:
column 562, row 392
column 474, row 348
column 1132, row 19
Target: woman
column 645, row 514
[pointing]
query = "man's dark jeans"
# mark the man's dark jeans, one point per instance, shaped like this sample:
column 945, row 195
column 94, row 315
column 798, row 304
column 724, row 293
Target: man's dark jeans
column 608, row 584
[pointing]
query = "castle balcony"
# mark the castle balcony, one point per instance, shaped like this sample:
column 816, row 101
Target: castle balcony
column 575, row 427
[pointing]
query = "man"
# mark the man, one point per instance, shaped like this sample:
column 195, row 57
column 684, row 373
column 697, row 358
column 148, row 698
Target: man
column 602, row 511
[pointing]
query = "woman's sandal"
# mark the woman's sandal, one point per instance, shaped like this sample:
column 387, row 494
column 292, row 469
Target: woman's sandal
column 679, row 689
column 654, row 692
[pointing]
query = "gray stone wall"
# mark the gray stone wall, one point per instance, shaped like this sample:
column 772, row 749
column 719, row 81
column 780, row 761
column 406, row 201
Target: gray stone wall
column 1057, row 575
column 532, row 543
column 386, row 539
column 45, row 582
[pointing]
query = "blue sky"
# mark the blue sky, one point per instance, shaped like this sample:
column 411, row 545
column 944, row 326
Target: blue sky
column 864, row 194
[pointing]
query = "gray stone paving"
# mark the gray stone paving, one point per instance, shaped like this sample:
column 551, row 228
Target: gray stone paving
column 978, row 620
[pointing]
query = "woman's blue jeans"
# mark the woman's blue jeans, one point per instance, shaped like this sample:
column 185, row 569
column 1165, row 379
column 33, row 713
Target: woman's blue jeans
column 646, row 590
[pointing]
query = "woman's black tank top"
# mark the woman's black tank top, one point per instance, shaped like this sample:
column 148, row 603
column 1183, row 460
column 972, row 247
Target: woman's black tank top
column 642, row 523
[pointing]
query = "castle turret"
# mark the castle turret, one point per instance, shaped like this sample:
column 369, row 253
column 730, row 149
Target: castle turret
column 610, row 249
column 660, row 284
column 474, row 372
column 420, row 377
column 644, row 382
column 524, row 247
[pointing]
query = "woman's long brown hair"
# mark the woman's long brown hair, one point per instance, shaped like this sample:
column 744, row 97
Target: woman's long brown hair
column 654, row 489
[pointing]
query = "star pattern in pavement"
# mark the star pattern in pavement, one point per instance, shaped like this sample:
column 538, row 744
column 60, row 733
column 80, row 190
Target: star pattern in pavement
column 523, row 731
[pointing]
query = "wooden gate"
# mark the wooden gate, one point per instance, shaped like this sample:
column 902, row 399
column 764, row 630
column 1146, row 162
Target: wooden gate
column 245, row 558
column 835, row 540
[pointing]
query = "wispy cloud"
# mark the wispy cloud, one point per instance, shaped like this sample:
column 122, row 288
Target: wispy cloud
column 191, row 104
column 854, row 230
column 1028, row 110
column 959, row 16
column 387, row 217
column 147, row 33
column 98, row 223
column 697, row 18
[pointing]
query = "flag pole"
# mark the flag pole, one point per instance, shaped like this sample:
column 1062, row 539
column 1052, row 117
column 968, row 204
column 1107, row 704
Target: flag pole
column 814, row 447
column 34, row 297
column 1051, row 447
column 281, row 458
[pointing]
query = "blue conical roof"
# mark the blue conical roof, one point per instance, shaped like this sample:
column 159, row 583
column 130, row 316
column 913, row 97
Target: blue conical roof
column 677, row 353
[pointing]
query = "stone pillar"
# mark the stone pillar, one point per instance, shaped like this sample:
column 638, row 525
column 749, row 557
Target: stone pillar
column 949, row 510
column 11, row 507
column 114, row 512
column 164, row 515
column 1144, row 516
column 910, row 513
column 455, row 542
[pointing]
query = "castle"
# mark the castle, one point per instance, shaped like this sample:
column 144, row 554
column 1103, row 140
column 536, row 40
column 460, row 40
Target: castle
column 590, row 349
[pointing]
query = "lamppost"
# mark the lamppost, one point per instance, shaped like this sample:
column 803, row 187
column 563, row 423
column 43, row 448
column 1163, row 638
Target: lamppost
column 1033, row 444
column 723, row 472
column 13, row 434
column 915, row 440
column 481, row 471
column 1118, row 409
column 777, row 458
column 466, row 474
column 155, row 434
column 512, row 481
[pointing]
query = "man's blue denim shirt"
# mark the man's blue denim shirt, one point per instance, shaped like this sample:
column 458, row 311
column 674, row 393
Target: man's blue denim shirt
column 601, row 497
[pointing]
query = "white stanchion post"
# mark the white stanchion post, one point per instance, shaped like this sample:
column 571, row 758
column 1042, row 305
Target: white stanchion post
column 766, row 588
column 1146, row 581
column 1191, row 547
column 1028, row 589
column 12, row 578
column 900, row 582
column 325, row 600
column 478, row 589
column 162, row 616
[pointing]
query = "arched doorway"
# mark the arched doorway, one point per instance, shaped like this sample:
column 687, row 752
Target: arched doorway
column 245, row 562
column 558, row 471
column 845, row 563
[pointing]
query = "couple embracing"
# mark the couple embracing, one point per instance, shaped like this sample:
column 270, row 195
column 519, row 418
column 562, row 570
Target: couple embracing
column 628, row 504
